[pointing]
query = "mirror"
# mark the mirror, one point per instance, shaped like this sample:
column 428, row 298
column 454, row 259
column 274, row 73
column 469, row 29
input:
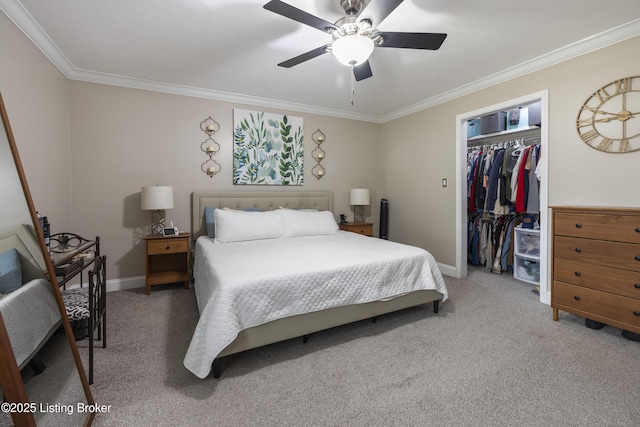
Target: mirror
column 42, row 377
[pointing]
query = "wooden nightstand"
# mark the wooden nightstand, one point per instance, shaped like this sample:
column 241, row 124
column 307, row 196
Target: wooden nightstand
column 365, row 228
column 167, row 260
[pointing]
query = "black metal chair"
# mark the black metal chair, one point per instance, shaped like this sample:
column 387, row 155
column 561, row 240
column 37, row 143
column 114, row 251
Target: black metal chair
column 90, row 304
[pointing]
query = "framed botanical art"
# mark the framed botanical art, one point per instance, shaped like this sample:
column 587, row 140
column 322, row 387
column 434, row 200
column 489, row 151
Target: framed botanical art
column 268, row 148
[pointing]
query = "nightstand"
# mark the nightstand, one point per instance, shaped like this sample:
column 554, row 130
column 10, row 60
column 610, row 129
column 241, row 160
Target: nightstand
column 167, row 260
column 365, row 228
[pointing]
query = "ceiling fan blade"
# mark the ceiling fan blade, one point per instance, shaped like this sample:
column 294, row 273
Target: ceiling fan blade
column 298, row 15
column 305, row 56
column 431, row 41
column 378, row 10
column 362, row 71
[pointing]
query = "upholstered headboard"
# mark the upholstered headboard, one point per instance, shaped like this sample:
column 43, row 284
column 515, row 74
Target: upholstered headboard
column 24, row 240
column 264, row 201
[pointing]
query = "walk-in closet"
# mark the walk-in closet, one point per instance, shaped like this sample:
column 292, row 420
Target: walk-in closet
column 504, row 194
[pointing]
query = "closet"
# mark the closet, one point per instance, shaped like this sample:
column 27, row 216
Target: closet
column 504, row 172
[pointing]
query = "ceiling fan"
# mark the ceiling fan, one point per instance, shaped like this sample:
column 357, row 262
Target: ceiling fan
column 355, row 35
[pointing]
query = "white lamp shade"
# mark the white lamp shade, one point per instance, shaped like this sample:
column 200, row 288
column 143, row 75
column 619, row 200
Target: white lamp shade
column 359, row 197
column 157, row 198
column 352, row 50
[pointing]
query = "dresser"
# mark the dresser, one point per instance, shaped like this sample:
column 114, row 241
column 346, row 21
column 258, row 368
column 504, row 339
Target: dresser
column 596, row 265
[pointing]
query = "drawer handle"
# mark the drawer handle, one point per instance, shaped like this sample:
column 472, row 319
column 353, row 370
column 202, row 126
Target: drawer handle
column 638, row 230
column 577, row 298
column 577, row 273
column 578, row 225
column 578, row 250
column 637, row 257
column 168, row 247
column 637, row 286
column 636, row 313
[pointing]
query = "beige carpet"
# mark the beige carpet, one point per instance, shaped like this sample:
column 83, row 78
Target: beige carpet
column 491, row 357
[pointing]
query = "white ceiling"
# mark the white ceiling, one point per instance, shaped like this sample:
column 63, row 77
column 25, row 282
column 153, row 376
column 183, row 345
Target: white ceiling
column 229, row 49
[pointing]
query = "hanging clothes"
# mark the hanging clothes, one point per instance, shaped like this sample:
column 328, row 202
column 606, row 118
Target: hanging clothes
column 533, row 198
column 503, row 184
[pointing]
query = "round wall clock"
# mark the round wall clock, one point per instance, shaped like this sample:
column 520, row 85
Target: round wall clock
column 609, row 120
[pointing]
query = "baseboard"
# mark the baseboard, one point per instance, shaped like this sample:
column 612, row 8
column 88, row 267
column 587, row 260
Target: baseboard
column 125, row 284
column 447, row 270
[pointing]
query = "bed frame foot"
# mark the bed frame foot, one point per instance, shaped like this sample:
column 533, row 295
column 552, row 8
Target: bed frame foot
column 305, row 338
column 374, row 319
column 36, row 365
column 216, row 368
column 436, row 306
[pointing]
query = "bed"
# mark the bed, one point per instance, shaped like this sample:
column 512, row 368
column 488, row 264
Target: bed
column 30, row 313
column 278, row 268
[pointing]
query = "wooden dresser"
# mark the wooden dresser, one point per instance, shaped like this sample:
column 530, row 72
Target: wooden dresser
column 596, row 265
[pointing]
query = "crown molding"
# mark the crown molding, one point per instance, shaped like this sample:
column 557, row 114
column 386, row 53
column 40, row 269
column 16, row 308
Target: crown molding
column 25, row 22
column 175, row 89
column 28, row 25
column 598, row 41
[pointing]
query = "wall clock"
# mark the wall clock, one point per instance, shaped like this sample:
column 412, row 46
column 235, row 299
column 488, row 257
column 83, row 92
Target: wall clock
column 609, row 120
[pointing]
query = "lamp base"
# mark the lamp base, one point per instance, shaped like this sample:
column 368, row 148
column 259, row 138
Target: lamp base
column 158, row 222
column 358, row 213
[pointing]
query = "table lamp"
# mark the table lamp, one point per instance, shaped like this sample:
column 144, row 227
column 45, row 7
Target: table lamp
column 359, row 199
column 157, row 199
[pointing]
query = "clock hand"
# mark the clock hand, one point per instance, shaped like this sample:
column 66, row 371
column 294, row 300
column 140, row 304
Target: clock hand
column 606, row 112
column 606, row 119
column 624, row 115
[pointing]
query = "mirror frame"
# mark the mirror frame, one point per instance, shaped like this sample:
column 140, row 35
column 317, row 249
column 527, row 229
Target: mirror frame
column 11, row 380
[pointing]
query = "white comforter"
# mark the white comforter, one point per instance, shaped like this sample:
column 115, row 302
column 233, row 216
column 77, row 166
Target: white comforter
column 245, row 284
column 31, row 315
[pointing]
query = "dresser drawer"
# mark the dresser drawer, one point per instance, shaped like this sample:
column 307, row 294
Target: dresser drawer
column 611, row 254
column 365, row 228
column 619, row 228
column 601, row 305
column 167, row 247
column 607, row 279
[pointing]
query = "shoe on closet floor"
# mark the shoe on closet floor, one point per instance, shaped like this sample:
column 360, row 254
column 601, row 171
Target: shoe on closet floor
column 631, row 336
column 592, row 324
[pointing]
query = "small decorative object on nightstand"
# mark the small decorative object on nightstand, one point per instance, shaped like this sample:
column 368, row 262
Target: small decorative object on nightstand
column 167, row 260
column 365, row 228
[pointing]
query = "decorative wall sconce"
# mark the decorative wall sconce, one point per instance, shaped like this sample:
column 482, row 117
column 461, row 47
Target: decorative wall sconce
column 318, row 154
column 210, row 146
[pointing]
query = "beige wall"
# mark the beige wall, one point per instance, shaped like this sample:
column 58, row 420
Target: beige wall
column 88, row 148
column 123, row 139
column 36, row 96
column 419, row 150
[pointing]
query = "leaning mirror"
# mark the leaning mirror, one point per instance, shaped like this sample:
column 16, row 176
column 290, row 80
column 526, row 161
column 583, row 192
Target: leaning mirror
column 43, row 380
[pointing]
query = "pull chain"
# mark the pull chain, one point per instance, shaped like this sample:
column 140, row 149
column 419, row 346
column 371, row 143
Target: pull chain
column 353, row 90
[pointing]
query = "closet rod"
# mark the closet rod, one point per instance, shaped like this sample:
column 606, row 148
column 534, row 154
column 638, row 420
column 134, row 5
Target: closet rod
column 525, row 141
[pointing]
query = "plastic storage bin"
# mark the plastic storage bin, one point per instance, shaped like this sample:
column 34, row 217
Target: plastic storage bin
column 526, row 255
column 527, row 270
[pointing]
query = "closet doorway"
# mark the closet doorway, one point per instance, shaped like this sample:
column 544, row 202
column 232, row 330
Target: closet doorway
column 462, row 133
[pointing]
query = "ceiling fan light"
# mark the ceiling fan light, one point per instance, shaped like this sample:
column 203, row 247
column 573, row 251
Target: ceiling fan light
column 352, row 49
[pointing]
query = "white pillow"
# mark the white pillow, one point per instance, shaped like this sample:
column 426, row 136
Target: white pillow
column 300, row 209
column 239, row 226
column 308, row 223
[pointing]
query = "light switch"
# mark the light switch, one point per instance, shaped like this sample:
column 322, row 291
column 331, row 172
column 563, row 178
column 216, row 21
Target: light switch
column 444, row 182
